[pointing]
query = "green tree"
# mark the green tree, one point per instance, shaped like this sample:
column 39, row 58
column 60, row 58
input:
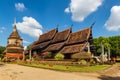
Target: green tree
column 112, row 42
column 2, row 49
column 115, row 45
column 101, row 41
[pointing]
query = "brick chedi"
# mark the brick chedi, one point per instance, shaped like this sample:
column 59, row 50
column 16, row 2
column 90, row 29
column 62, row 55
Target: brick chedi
column 14, row 48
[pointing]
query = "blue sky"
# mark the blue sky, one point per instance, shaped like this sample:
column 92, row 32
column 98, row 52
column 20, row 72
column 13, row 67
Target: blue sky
column 34, row 17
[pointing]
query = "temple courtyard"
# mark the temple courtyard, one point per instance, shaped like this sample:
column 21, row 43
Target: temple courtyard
column 18, row 72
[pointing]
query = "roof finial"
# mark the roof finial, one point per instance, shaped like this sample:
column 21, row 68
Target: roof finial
column 14, row 24
column 71, row 26
column 93, row 24
column 57, row 25
column 15, row 21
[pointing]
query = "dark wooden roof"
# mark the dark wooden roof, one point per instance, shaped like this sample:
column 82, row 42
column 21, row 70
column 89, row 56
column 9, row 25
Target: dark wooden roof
column 55, row 47
column 73, row 48
column 59, row 40
column 61, row 36
column 44, row 39
column 64, row 41
column 48, row 36
column 77, row 41
column 35, row 42
column 78, row 37
column 41, row 45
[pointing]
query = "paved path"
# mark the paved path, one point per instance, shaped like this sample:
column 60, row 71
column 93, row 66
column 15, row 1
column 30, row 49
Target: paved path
column 17, row 72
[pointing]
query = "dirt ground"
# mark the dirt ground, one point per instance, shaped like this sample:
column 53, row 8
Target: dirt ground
column 17, row 72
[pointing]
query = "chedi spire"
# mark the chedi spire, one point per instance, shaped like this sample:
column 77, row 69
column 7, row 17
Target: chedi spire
column 14, row 25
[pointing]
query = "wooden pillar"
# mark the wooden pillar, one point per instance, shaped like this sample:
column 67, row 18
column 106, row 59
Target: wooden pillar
column 23, row 56
column 18, row 58
column 30, row 54
column 88, row 46
column 6, row 59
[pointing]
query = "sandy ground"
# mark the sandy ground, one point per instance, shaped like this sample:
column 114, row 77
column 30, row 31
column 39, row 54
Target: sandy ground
column 17, row 72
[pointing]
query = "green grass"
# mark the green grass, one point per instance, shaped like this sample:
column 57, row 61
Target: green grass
column 118, row 63
column 68, row 68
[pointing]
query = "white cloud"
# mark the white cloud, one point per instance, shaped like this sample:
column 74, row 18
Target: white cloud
column 80, row 9
column 113, row 23
column 30, row 27
column 67, row 10
column 26, row 42
column 19, row 6
column 2, row 29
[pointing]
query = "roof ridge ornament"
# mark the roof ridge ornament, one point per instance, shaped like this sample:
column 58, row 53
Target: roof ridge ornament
column 15, row 21
column 71, row 26
column 93, row 24
column 57, row 26
column 15, row 24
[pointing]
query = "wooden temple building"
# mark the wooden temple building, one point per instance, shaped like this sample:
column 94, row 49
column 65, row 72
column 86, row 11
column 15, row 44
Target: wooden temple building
column 65, row 42
column 14, row 48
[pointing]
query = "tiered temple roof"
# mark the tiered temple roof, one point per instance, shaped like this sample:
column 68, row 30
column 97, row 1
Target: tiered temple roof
column 14, row 34
column 59, row 40
column 48, row 35
column 64, row 42
column 73, row 48
column 77, row 41
column 44, row 39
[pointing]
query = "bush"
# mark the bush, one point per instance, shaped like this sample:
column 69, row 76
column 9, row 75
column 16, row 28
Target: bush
column 27, row 57
column 59, row 56
column 83, row 62
column 47, row 55
column 36, row 57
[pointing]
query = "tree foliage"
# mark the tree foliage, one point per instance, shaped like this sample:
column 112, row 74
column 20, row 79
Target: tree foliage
column 112, row 42
column 29, row 46
column 1, row 51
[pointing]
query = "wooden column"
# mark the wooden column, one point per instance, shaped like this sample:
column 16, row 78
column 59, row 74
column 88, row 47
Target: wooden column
column 88, row 46
column 30, row 54
column 23, row 55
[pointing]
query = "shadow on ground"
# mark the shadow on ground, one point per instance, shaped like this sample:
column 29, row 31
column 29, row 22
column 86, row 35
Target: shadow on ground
column 108, row 78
